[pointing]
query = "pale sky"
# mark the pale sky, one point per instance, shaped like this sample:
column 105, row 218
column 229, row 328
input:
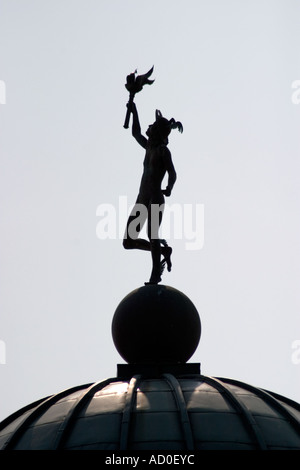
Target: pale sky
column 226, row 70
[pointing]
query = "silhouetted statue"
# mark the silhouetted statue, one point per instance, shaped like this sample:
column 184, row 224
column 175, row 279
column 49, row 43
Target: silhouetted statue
column 150, row 201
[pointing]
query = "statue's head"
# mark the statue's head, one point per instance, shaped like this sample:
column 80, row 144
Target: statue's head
column 161, row 128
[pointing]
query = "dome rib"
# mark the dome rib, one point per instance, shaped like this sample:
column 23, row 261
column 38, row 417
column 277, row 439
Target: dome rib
column 247, row 417
column 127, row 413
column 181, row 404
column 82, row 401
column 21, row 412
column 42, row 406
column 271, row 399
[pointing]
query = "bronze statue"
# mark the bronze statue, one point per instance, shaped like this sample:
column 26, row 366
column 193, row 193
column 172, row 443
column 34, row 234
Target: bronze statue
column 157, row 163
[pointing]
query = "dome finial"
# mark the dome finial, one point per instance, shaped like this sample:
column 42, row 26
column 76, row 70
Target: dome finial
column 156, row 324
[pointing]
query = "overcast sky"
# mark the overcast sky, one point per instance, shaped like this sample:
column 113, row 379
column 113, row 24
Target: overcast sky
column 226, row 70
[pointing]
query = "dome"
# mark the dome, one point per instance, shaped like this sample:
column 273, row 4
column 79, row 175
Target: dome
column 158, row 400
column 182, row 413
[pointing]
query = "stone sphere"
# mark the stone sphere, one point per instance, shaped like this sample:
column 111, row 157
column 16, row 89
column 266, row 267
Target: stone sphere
column 156, row 324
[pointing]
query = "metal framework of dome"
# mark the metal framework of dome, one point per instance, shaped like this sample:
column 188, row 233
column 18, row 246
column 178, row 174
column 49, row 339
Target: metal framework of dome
column 185, row 413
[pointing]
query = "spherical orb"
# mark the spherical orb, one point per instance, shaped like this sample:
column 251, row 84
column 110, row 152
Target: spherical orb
column 156, row 324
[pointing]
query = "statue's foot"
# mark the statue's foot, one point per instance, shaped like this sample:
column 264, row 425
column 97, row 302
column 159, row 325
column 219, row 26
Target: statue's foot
column 167, row 251
column 156, row 278
column 151, row 283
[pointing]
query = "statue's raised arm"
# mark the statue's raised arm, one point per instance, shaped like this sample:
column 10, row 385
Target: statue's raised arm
column 136, row 128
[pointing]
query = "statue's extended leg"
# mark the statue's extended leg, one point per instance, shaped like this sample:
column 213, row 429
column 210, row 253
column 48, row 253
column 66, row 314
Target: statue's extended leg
column 155, row 277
